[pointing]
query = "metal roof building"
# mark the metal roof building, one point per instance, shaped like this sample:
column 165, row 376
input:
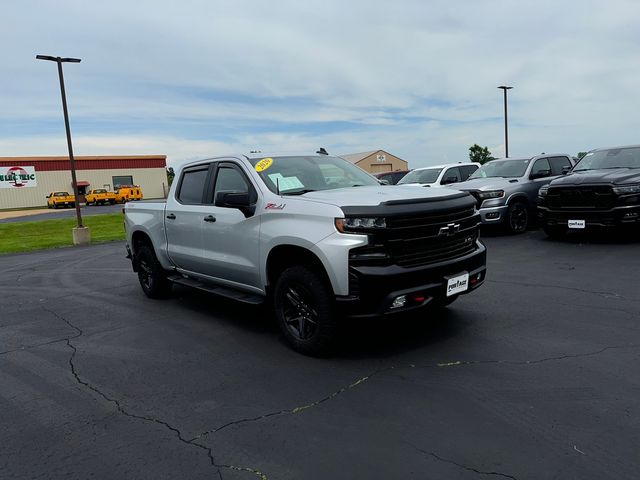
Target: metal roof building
column 26, row 181
column 376, row 161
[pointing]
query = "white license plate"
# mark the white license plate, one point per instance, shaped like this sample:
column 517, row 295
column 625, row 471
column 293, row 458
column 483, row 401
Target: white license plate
column 576, row 224
column 457, row 284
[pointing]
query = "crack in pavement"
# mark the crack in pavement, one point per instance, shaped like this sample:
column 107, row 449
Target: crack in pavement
column 117, row 403
column 470, row 469
column 559, row 287
column 527, row 362
column 22, row 348
column 292, row 411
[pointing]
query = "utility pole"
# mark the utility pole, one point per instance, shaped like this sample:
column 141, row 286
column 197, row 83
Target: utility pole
column 81, row 234
column 504, row 88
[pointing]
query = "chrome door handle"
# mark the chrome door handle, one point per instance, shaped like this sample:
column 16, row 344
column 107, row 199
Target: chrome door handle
column 210, row 218
column 171, row 216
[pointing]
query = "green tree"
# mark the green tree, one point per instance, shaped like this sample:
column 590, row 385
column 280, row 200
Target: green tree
column 170, row 175
column 479, row 154
column 581, row 154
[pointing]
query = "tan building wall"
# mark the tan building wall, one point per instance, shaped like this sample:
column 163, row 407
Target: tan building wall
column 382, row 161
column 153, row 181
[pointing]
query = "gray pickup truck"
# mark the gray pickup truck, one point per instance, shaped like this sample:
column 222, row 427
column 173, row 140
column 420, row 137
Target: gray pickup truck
column 507, row 189
column 315, row 234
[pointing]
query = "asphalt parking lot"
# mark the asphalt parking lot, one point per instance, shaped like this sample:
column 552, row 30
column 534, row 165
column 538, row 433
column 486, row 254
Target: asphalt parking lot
column 63, row 213
column 534, row 376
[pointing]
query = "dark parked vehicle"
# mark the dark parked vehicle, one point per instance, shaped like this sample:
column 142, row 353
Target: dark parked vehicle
column 602, row 190
column 391, row 177
column 506, row 189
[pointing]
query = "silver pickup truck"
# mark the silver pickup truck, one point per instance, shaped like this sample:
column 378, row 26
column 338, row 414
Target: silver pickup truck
column 315, row 234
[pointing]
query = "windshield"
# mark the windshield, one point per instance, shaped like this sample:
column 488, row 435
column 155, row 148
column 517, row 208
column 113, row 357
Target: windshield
column 297, row 175
column 612, row 158
column 61, row 194
column 428, row 175
column 99, row 191
column 502, row 168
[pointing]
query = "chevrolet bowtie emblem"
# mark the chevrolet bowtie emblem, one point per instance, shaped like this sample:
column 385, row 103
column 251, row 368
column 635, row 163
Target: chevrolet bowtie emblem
column 450, row 229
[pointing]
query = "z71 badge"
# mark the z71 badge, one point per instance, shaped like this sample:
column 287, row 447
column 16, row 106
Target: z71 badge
column 275, row 206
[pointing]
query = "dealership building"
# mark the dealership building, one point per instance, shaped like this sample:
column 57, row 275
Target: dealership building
column 26, row 181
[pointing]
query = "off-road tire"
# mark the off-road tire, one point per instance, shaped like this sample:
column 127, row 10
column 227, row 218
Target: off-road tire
column 305, row 310
column 151, row 275
column 517, row 219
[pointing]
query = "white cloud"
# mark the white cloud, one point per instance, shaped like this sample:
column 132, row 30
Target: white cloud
column 415, row 78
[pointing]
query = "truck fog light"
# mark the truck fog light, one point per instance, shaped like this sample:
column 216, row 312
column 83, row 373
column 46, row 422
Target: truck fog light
column 493, row 215
column 631, row 215
column 399, row 302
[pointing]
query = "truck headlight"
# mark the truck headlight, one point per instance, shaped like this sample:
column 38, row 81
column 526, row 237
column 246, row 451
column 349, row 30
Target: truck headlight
column 490, row 194
column 626, row 189
column 543, row 191
column 360, row 223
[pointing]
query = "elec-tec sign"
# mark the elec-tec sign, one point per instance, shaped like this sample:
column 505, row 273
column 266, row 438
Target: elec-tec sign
column 18, row 177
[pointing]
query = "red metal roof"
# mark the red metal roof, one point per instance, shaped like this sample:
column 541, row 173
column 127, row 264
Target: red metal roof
column 110, row 162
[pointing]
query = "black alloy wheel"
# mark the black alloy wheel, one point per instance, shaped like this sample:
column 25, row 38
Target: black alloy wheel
column 151, row 275
column 305, row 311
column 518, row 217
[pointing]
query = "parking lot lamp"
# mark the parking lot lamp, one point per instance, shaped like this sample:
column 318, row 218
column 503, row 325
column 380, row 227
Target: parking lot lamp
column 81, row 234
column 506, row 132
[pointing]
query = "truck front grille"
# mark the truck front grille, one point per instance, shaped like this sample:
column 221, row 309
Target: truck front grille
column 598, row 197
column 417, row 240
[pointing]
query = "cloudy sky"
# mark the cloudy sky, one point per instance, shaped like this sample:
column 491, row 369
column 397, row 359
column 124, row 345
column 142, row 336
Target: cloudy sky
column 417, row 78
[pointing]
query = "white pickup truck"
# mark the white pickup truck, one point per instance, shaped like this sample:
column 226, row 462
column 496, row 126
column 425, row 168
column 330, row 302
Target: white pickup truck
column 314, row 233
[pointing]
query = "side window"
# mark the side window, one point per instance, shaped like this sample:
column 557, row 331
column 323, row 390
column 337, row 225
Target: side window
column 540, row 167
column 192, row 185
column 452, row 175
column 558, row 163
column 230, row 180
column 467, row 170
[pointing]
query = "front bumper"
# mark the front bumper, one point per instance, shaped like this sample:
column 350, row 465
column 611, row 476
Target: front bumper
column 372, row 289
column 493, row 215
column 615, row 217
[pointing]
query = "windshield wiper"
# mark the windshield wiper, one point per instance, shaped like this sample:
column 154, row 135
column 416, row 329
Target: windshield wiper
column 299, row 192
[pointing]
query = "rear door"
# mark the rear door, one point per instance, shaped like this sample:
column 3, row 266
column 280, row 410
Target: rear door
column 184, row 218
column 230, row 236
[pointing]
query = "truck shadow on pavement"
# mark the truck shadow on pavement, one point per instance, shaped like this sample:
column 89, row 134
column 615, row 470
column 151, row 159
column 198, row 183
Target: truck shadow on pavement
column 357, row 338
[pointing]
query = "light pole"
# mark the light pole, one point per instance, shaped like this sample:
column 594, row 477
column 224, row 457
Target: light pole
column 81, row 233
column 506, row 131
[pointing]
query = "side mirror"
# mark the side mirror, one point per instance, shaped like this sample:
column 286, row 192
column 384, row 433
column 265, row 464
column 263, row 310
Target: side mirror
column 566, row 169
column 449, row 180
column 384, row 182
column 540, row 174
column 239, row 200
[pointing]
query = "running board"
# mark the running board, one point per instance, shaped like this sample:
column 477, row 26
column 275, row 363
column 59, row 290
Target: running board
column 217, row 290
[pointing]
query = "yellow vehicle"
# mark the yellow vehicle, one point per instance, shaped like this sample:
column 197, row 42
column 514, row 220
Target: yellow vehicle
column 100, row 196
column 60, row 199
column 128, row 193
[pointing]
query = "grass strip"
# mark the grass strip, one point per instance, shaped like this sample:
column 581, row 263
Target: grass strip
column 38, row 235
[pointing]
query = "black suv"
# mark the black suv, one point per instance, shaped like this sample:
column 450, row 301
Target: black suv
column 602, row 190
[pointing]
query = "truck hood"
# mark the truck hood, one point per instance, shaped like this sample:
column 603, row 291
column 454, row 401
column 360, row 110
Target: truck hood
column 485, row 184
column 375, row 195
column 619, row 176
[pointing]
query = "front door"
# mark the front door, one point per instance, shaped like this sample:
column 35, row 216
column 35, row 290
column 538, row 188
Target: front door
column 231, row 237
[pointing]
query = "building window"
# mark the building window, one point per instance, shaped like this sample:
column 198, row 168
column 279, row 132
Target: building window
column 122, row 181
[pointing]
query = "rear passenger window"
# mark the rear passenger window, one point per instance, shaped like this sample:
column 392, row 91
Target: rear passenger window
column 192, row 185
column 466, row 171
column 451, row 176
column 558, row 163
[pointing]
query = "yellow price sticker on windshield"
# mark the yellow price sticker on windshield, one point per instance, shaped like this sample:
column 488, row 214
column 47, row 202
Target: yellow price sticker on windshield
column 263, row 164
